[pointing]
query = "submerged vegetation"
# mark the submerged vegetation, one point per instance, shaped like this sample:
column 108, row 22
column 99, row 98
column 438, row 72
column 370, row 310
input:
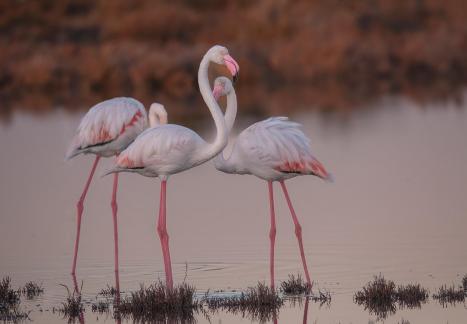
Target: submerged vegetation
column 10, row 300
column 32, row 289
column 411, row 295
column 378, row 296
column 73, row 307
column 381, row 296
column 109, row 291
column 450, row 295
column 295, row 285
column 261, row 302
column 156, row 302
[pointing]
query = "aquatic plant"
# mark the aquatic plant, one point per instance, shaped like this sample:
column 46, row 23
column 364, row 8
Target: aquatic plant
column 295, row 286
column 323, row 297
column 32, row 289
column 109, row 291
column 156, row 302
column 464, row 283
column 73, row 306
column 8, row 296
column 9, row 303
column 411, row 295
column 449, row 295
column 260, row 303
column 101, row 307
column 378, row 296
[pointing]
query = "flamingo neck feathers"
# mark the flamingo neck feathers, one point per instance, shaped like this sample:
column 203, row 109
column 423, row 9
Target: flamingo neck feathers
column 157, row 115
column 220, row 141
column 221, row 163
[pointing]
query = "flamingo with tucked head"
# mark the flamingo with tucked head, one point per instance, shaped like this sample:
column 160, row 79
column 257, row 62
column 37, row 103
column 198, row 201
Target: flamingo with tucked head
column 274, row 149
column 164, row 150
column 106, row 130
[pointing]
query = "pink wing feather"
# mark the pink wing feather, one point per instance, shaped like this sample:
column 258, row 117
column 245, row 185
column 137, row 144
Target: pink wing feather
column 108, row 120
column 280, row 144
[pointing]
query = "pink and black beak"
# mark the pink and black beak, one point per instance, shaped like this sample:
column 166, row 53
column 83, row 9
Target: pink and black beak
column 233, row 66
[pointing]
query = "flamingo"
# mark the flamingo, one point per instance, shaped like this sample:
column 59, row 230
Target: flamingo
column 167, row 149
column 106, row 130
column 274, row 149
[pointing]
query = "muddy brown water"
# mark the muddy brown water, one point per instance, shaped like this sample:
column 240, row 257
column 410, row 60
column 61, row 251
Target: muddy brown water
column 398, row 207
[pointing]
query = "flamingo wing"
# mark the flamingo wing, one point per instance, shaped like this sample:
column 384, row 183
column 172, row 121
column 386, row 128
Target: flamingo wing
column 164, row 149
column 107, row 121
column 280, row 144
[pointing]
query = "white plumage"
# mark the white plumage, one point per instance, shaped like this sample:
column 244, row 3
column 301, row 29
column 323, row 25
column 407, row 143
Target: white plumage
column 273, row 149
column 109, row 127
column 161, row 151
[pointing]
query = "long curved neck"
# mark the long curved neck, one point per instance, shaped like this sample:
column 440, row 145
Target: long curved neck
column 220, row 162
column 231, row 110
column 157, row 115
column 221, row 130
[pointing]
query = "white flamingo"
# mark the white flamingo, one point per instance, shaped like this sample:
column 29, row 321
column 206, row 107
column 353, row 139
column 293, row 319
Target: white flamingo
column 274, row 149
column 163, row 150
column 106, row 130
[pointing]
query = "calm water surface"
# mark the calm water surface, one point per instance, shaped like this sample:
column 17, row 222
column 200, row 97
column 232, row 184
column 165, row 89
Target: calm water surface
column 398, row 207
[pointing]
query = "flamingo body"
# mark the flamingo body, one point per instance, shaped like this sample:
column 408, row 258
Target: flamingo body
column 162, row 151
column 273, row 149
column 109, row 127
column 166, row 149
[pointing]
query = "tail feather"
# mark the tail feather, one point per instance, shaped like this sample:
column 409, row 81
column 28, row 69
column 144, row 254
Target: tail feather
column 73, row 150
column 318, row 169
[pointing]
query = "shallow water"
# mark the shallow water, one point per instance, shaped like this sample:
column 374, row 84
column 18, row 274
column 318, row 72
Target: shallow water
column 398, row 207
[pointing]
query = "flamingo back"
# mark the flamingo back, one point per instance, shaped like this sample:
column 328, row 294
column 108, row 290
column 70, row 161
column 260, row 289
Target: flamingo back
column 276, row 148
column 109, row 127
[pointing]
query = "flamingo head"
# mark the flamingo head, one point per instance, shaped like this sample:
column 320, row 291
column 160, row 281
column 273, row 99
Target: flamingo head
column 222, row 87
column 220, row 55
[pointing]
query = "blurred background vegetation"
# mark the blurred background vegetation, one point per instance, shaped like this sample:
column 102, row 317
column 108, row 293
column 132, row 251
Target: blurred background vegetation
column 317, row 54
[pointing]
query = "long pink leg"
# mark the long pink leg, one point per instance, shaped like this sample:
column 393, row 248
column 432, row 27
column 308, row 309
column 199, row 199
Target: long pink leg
column 114, row 214
column 272, row 233
column 298, row 233
column 79, row 207
column 164, row 236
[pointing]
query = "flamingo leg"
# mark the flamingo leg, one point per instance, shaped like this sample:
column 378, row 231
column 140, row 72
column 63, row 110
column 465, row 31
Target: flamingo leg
column 272, row 233
column 164, row 236
column 79, row 207
column 298, row 233
column 114, row 206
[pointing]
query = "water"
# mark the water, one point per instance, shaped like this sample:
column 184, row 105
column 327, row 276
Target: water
column 398, row 207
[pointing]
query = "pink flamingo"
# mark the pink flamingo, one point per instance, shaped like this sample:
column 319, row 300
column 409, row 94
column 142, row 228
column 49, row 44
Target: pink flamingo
column 106, row 129
column 166, row 149
column 274, row 149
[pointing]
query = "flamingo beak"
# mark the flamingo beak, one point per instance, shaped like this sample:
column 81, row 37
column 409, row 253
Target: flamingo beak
column 217, row 91
column 233, row 66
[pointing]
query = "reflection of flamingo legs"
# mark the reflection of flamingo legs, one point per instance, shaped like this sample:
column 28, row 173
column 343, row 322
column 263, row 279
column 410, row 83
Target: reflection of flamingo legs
column 305, row 311
column 272, row 233
column 298, row 233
